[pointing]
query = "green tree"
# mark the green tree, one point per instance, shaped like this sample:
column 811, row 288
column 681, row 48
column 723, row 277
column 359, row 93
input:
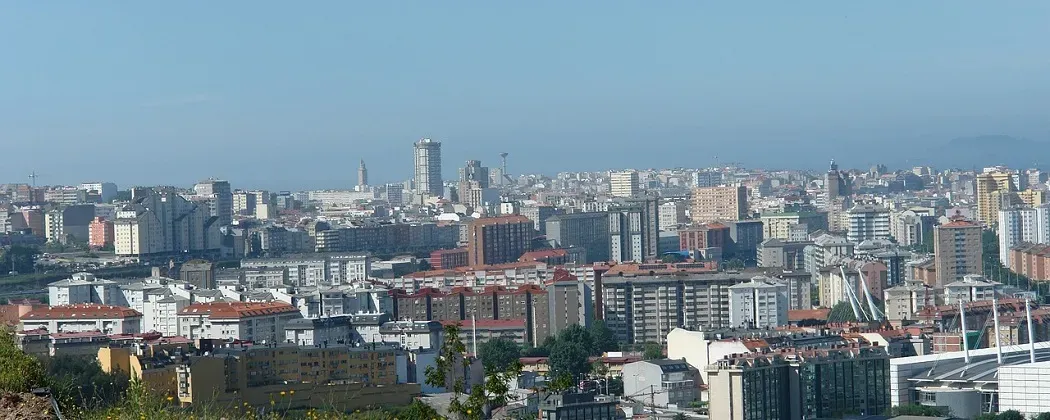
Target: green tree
column 568, row 358
column 1010, row 415
column 416, row 410
column 575, row 333
column 19, row 372
column 672, row 258
column 448, row 371
column 498, row 354
column 653, row 351
column 602, row 338
column 1042, row 416
column 82, row 382
column 24, row 258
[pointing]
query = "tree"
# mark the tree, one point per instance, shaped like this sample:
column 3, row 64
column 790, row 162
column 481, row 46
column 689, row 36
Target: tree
column 24, row 259
column 416, row 410
column 568, row 358
column 498, row 354
column 602, row 338
column 672, row 258
column 535, row 352
column 1042, row 416
column 448, row 371
column 424, row 265
column 1010, row 415
column 653, row 351
column 19, row 372
column 575, row 333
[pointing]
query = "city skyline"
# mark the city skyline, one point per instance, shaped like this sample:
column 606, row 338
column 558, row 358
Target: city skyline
column 714, row 80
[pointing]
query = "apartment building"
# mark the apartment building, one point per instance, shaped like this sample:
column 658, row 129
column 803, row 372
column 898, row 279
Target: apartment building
column 643, row 309
column 707, row 235
column 779, row 225
column 634, row 228
column 673, row 215
column 82, row 318
column 759, row 303
column 957, row 251
column 868, row 222
column 496, row 240
column 85, row 288
column 589, row 231
column 100, row 233
column 992, row 188
column 249, row 321
column 719, row 204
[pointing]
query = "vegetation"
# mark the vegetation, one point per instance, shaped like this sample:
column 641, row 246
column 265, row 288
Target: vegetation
column 653, row 351
column 18, row 258
column 734, row 264
column 498, row 354
column 448, row 373
column 1005, row 415
column 672, row 257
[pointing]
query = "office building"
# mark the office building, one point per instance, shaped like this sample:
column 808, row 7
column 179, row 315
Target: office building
column 913, row 226
column 673, row 215
column 472, row 176
column 245, row 203
column 634, row 228
column 539, row 215
column 760, row 304
column 498, row 240
column 868, row 222
column 219, row 197
column 957, row 250
column 581, row 406
column 624, row 184
column 662, row 382
column 800, row 383
column 427, row 154
column 589, row 231
column 746, row 236
column 719, row 204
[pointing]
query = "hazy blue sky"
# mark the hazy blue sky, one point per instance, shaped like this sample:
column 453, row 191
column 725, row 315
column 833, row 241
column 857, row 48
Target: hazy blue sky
column 292, row 94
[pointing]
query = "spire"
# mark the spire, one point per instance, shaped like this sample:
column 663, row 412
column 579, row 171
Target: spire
column 362, row 174
column 834, row 167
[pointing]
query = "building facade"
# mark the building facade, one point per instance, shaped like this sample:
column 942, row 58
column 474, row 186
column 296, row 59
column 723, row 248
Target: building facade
column 719, row 204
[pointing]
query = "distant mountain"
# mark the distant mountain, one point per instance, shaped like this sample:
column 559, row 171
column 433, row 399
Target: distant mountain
column 987, row 150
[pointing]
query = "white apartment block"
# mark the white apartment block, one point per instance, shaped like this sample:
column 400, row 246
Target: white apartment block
column 249, row 321
column 759, row 303
column 1018, row 225
column 349, row 268
column 672, row 214
column 84, row 317
column 868, row 222
column 972, row 288
column 85, row 288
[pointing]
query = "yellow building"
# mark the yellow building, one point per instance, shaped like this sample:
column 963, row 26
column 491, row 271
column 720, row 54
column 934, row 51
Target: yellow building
column 719, row 204
column 1032, row 198
column 153, row 366
column 255, row 374
column 992, row 187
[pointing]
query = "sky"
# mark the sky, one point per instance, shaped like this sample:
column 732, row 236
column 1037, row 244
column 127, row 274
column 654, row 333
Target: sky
column 290, row 95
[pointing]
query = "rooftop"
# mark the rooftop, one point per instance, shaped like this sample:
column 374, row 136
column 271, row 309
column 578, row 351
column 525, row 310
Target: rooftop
column 81, row 311
column 234, row 310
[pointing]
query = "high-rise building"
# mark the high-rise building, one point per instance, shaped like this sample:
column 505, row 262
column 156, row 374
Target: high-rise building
column 957, row 251
column 244, row 203
column 868, row 222
column 719, row 204
column 634, row 229
column 104, row 190
column 362, row 174
column 158, row 222
column 779, row 225
column 220, row 198
column 624, row 184
column 427, row 164
column 473, row 181
column 589, row 231
column 992, row 188
column 498, row 240
column 1017, row 225
column 837, row 184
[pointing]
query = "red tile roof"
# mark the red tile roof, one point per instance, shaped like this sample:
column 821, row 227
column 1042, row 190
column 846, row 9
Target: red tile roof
column 234, row 310
column 800, row 314
column 81, row 311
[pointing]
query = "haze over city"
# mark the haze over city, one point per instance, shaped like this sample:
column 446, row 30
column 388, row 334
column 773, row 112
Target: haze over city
column 150, row 93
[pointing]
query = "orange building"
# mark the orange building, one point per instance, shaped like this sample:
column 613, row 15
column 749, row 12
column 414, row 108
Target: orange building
column 100, row 233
